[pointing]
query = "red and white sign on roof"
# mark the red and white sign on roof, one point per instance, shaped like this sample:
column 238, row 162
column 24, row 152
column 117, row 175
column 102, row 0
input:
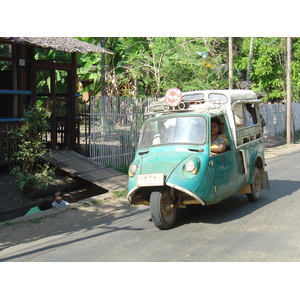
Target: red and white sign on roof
column 173, row 97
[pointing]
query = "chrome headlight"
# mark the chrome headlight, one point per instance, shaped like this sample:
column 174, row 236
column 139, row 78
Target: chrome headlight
column 132, row 170
column 191, row 167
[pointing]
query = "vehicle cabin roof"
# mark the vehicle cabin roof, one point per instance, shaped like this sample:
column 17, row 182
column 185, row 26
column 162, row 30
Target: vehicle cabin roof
column 230, row 94
column 202, row 100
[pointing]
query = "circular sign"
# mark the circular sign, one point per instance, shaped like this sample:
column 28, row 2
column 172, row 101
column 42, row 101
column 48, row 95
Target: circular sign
column 173, row 97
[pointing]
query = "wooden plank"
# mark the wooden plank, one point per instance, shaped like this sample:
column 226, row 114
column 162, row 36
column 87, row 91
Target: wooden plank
column 81, row 166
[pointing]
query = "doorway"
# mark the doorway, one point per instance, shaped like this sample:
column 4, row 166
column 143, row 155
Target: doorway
column 54, row 90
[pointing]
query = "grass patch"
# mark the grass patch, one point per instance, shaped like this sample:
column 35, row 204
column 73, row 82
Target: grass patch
column 21, row 223
column 120, row 194
column 297, row 136
column 35, row 221
column 8, row 223
column 93, row 202
column 123, row 169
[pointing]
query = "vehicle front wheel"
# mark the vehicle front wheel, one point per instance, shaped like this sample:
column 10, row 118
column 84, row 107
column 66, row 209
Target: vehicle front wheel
column 255, row 186
column 162, row 208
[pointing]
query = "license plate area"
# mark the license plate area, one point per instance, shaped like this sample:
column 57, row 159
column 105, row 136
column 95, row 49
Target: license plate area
column 151, row 179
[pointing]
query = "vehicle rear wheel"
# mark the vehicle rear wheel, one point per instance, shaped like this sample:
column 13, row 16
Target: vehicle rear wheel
column 162, row 208
column 255, row 186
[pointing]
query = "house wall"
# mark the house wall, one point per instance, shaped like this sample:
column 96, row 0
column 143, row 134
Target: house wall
column 21, row 85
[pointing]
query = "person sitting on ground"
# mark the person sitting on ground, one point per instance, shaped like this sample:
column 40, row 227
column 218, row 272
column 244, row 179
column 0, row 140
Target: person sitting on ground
column 218, row 142
column 58, row 201
column 43, row 206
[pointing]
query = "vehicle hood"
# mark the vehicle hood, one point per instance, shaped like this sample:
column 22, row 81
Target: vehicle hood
column 164, row 162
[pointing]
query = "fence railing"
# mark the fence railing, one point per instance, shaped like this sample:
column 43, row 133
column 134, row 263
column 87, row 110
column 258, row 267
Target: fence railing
column 8, row 142
column 114, row 130
column 275, row 117
column 116, row 123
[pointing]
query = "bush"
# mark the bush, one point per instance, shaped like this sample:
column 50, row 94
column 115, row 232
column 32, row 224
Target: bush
column 30, row 170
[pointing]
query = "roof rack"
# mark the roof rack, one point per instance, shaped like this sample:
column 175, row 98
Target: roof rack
column 197, row 104
column 204, row 100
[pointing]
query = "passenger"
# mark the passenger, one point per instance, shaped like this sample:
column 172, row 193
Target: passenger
column 58, row 201
column 218, row 142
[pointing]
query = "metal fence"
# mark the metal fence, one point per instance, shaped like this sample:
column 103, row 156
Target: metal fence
column 275, row 117
column 114, row 131
column 115, row 125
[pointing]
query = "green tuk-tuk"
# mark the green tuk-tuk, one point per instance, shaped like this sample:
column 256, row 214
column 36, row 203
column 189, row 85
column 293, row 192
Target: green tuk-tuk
column 175, row 164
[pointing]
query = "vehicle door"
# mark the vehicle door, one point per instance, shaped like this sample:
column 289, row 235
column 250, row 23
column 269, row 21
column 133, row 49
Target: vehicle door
column 224, row 166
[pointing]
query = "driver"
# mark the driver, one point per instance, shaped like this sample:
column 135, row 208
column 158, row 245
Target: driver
column 218, row 141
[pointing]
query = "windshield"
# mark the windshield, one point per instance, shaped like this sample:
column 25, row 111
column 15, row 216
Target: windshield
column 170, row 130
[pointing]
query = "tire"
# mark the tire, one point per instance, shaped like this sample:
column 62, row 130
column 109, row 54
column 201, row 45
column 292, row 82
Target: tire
column 163, row 209
column 255, row 186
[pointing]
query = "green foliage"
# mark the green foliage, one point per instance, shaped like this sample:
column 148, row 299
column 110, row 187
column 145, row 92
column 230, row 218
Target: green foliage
column 90, row 66
column 144, row 66
column 295, row 68
column 268, row 65
column 148, row 66
column 30, row 171
column 159, row 63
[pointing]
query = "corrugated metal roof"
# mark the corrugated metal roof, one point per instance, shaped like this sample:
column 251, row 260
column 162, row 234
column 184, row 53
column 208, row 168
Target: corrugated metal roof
column 64, row 44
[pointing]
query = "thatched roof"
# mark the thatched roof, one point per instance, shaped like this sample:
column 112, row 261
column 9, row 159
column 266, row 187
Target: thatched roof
column 64, row 44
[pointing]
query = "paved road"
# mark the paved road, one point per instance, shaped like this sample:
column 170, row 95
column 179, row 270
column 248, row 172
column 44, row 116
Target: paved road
column 234, row 230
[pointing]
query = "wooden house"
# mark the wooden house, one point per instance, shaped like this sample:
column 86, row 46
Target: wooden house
column 28, row 75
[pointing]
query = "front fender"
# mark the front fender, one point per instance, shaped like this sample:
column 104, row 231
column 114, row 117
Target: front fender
column 189, row 183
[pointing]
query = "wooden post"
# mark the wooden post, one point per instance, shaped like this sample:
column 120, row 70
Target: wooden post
column 15, row 81
column 72, row 89
column 54, row 112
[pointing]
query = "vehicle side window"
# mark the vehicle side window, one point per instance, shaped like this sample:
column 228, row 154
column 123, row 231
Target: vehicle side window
column 250, row 115
column 247, row 122
column 219, row 136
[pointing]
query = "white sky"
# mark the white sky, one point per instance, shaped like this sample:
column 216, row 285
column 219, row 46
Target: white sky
column 150, row 18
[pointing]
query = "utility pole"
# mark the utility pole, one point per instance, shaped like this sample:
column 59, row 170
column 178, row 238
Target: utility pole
column 288, row 91
column 230, row 63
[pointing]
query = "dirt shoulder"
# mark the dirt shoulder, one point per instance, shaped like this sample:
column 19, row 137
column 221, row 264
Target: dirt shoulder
column 281, row 150
column 61, row 220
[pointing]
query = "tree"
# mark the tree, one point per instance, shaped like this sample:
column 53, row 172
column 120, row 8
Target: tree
column 268, row 66
column 295, row 67
column 90, row 66
column 250, row 62
column 149, row 66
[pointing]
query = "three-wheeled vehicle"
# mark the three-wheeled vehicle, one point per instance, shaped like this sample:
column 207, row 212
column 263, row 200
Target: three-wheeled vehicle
column 174, row 165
